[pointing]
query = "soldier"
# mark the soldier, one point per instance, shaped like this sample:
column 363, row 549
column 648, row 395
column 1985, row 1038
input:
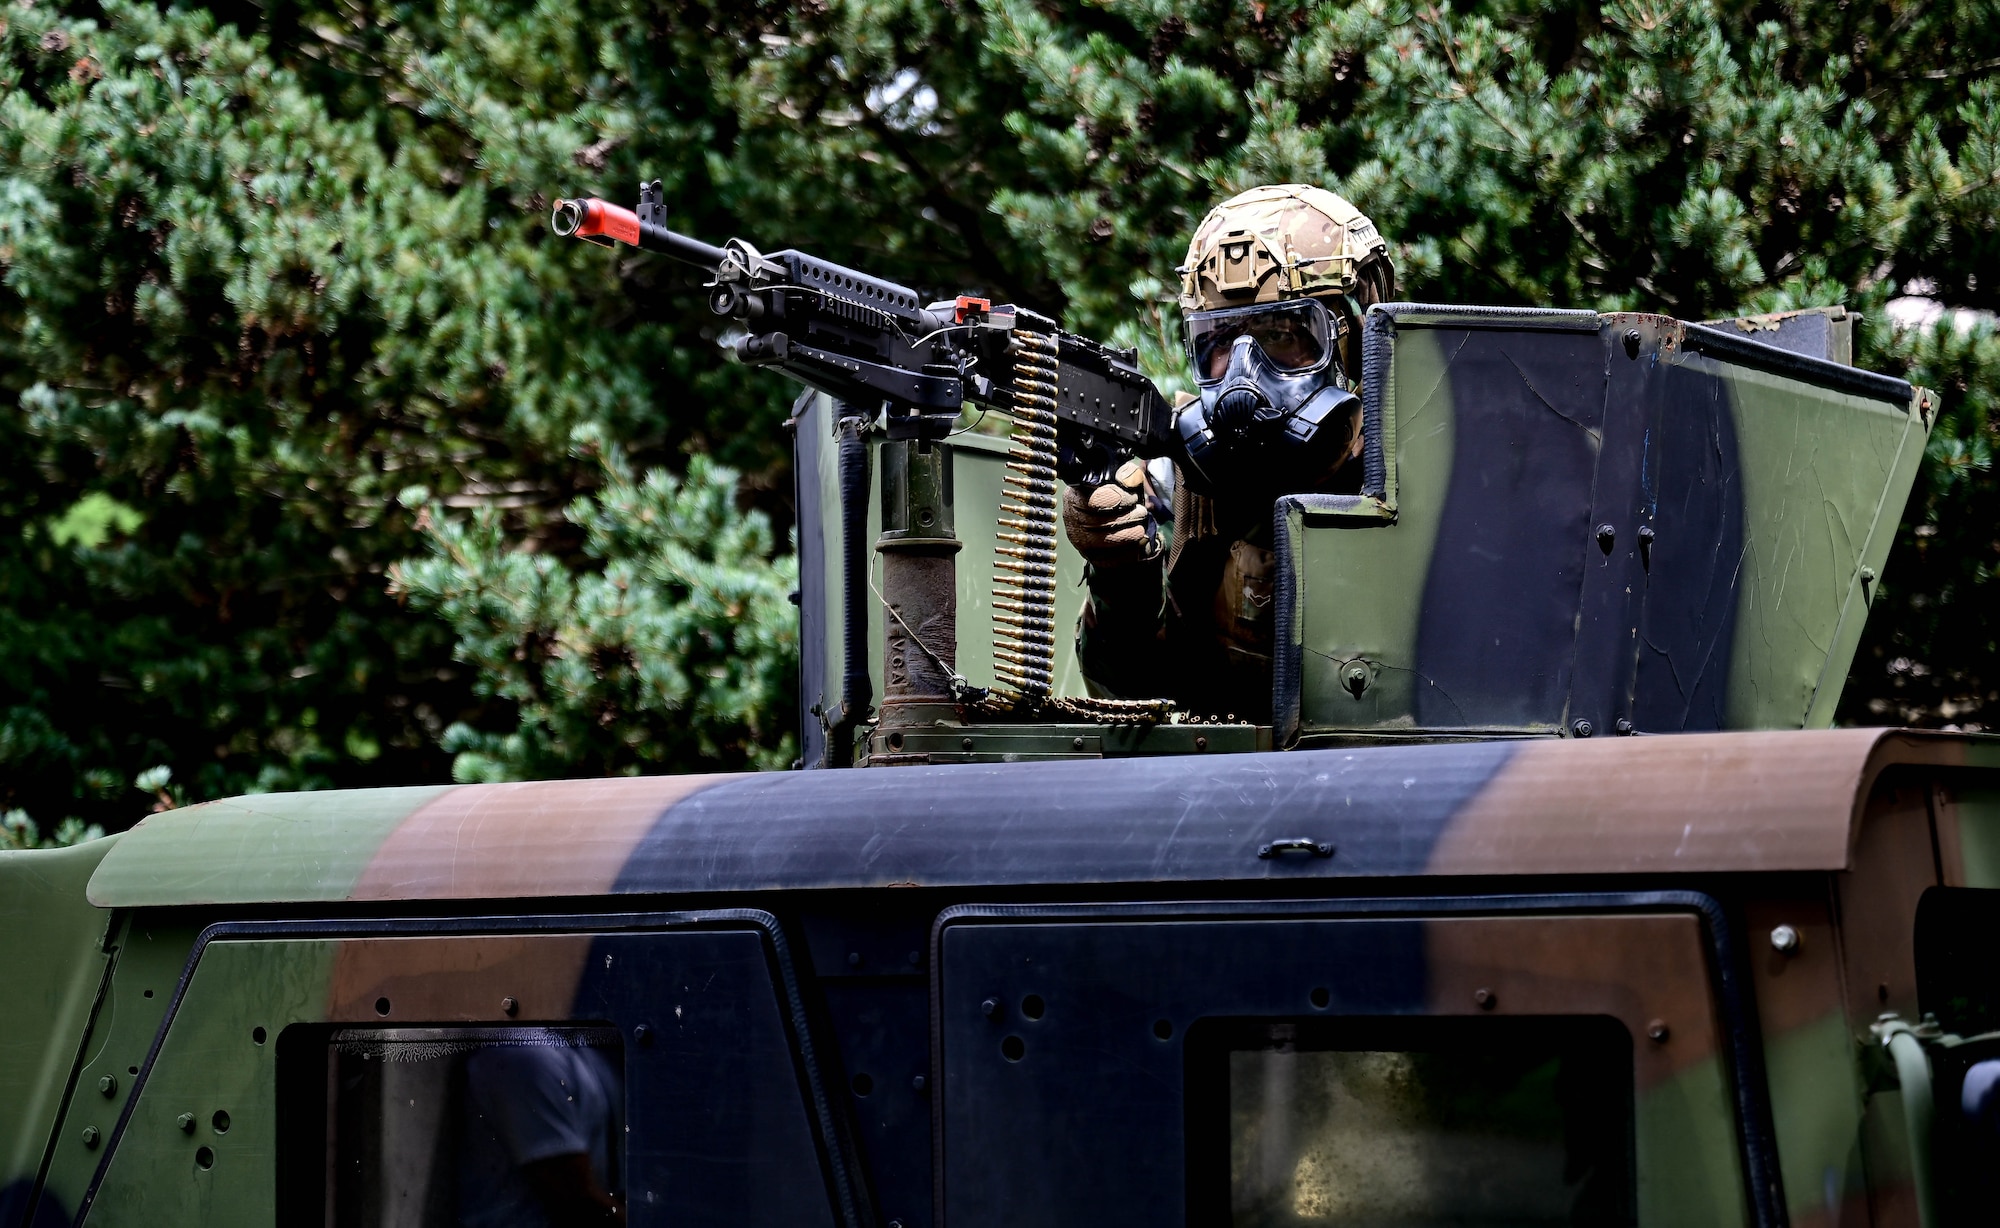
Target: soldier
column 1274, row 288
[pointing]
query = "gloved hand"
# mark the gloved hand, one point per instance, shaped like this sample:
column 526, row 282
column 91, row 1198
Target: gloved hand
column 1108, row 523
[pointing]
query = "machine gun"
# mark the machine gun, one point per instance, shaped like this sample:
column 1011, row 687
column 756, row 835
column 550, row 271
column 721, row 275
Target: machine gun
column 866, row 342
column 1079, row 408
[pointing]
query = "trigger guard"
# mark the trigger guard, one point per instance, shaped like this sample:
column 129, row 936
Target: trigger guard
column 1085, row 463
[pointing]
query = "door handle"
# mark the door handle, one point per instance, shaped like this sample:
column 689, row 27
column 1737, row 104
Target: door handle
column 1297, row 844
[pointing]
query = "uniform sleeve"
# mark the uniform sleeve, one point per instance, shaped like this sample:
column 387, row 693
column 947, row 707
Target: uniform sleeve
column 1118, row 639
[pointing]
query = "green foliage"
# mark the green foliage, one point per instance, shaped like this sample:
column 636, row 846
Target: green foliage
column 1933, row 649
column 93, row 519
column 18, row 831
column 262, row 268
column 251, row 291
column 680, row 649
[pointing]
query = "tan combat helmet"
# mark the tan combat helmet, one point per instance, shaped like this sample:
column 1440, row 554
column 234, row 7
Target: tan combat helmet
column 1280, row 241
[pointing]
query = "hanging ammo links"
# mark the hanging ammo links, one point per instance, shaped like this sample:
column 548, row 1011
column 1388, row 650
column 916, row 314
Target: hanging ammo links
column 1024, row 582
column 1024, row 586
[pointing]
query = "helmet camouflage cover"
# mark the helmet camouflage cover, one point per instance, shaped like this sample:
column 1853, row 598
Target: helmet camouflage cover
column 1280, row 241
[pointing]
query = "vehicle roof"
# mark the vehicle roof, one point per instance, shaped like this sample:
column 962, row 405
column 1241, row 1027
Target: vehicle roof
column 1724, row 802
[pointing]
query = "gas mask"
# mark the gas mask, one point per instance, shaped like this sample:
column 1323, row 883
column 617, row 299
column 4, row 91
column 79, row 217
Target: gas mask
column 1274, row 414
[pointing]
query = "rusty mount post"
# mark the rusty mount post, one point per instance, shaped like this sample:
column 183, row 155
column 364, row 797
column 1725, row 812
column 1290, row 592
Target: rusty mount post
column 919, row 549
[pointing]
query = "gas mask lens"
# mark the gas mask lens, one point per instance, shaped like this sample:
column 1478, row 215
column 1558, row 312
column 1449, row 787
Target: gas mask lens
column 1295, row 337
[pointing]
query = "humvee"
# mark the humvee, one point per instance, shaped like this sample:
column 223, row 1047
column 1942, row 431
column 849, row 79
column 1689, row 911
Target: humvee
column 1548, row 896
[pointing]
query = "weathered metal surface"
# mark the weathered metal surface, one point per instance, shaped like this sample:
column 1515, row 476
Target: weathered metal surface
column 56, row 961
column 1097, row 1051
column 1816, row 332
column 919, row 548
column 1696, row 803
column 949, row 743
column 720, row 1126
column 1807, row 1037
column 538, row 841
column 1602, row 524
column 147, row 959
column 1835, row 834
column 978, row 465
column 1573, row 524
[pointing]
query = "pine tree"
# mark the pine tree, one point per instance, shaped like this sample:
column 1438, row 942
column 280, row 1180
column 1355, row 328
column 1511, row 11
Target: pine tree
column 279, row 309
column 250, row 296
column 680, row 649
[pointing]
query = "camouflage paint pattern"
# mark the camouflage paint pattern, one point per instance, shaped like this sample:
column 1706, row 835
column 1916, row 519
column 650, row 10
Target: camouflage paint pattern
column 1749, row 803
column 220, row 1060
column 1578, row 524
column 57, row 958
column 1571, row 525
column 1643, row 971
column 1791, row 825
column 213, row 1066
column 148, row 957
column 1279, row 241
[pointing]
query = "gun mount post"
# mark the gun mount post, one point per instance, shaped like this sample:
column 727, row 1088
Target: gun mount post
column 919, row 547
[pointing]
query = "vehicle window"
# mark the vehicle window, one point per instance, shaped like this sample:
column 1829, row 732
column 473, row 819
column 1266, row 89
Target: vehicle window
column 1414, row 1122
column 480, row 1127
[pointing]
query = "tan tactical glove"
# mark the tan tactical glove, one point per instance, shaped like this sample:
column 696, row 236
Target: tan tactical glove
column 1109, row 524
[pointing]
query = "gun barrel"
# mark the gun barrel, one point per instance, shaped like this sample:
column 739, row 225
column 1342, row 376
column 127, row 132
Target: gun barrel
column 594, row 219
column 600, row 221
